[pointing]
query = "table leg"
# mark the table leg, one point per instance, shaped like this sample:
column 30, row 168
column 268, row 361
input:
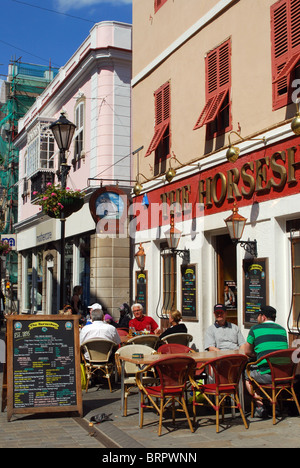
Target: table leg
column 122, row 387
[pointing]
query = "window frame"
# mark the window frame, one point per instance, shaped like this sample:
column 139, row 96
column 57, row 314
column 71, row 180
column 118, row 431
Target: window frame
column 285, row 50
column 218, row 91
column 295, row 268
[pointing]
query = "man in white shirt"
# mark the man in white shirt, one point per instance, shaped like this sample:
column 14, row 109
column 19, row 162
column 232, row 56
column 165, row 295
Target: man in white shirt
column 99, row 329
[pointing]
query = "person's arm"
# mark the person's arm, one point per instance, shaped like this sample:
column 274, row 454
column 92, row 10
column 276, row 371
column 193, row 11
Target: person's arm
column 248, row 349
column 210, row 340
column 212, row 348
column 154, row 327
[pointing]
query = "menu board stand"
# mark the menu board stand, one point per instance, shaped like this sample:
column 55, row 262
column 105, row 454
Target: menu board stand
column 189, row 292
column 43, row 364
column 256, row 287
column 141, row 289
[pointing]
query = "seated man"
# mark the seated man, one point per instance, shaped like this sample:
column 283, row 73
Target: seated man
column 175, row 327
column 141, row 321
column 223, row 334
column 99, row 329
column 264, row 338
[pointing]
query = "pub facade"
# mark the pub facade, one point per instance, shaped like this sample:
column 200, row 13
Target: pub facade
column 215, row 134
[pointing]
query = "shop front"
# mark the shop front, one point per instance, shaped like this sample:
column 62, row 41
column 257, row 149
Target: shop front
column 39, row 247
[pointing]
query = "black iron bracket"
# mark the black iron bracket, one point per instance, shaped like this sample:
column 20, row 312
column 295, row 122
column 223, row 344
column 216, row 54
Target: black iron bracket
column 184, row 254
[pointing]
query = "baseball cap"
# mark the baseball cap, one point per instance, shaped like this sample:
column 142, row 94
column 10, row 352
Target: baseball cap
column 108, row 317
column 220, row 308
column 95, row 306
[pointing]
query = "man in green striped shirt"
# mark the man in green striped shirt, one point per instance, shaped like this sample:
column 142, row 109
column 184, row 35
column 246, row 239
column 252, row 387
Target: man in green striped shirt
column 264, row 338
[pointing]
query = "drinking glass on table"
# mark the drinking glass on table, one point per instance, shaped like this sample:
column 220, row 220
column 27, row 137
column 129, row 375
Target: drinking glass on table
column 131, row 331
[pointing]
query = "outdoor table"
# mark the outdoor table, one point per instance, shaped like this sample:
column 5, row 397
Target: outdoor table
column 125, row 338
column 201, row 357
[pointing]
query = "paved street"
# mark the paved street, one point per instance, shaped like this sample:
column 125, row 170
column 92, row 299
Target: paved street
column 70, row 431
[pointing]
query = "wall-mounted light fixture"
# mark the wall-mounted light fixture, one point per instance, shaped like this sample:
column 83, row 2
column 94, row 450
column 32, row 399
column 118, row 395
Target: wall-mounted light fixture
column 235, row 224
column 295, row 125
column 173, row 236
column 138, row 186
column 140, row 258
column 233, row 152
column 171, row 172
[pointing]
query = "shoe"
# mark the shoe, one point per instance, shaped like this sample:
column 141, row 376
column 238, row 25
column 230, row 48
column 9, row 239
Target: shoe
column 261, row 412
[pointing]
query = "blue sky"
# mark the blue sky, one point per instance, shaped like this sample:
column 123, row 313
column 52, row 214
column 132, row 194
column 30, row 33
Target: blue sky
column 38, row 31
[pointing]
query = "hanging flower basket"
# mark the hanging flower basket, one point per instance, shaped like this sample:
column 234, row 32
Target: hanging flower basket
column 56, row 201
column 71, row 205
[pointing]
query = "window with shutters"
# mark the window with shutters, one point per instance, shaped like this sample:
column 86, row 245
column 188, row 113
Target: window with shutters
column 216, row 113
column 160, row 142
column 285, row 40
column 158, row 4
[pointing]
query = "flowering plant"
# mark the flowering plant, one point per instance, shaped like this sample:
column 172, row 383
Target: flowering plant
column 54, row 199
column 4, row 248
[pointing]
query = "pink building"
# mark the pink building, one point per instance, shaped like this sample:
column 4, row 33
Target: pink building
column 93, row 90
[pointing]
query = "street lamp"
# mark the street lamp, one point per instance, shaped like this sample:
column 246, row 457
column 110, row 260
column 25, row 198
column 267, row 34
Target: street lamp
column 63, row 132
column 235, row 224
column 173, row 236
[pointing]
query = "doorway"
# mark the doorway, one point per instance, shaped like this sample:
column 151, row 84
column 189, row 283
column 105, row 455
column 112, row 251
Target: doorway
column 227, row 276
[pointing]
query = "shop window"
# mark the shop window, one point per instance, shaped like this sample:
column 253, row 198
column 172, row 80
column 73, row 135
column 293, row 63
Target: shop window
column 39, row 280
column 158, row 4
column 285, row 39
column 84, row 269
column 169, row 282
column 160, row 142
column 27, row 281
column 216, row 113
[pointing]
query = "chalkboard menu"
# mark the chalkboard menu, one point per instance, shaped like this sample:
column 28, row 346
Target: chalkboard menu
column 255, row 288
column 141, row 289
column 43, row 364
column 188, row 291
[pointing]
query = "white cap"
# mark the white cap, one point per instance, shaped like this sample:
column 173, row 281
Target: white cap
column 95, row 306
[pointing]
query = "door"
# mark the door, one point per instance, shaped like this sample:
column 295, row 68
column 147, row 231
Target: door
column 226, row 272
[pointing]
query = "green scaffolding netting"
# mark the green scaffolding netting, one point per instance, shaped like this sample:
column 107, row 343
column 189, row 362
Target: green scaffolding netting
column 25, row 82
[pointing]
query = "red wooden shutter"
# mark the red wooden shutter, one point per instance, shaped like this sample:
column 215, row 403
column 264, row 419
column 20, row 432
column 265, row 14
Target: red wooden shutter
column 285, row 36
column 218, row 81
column 158, row 4
column 162, row 116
